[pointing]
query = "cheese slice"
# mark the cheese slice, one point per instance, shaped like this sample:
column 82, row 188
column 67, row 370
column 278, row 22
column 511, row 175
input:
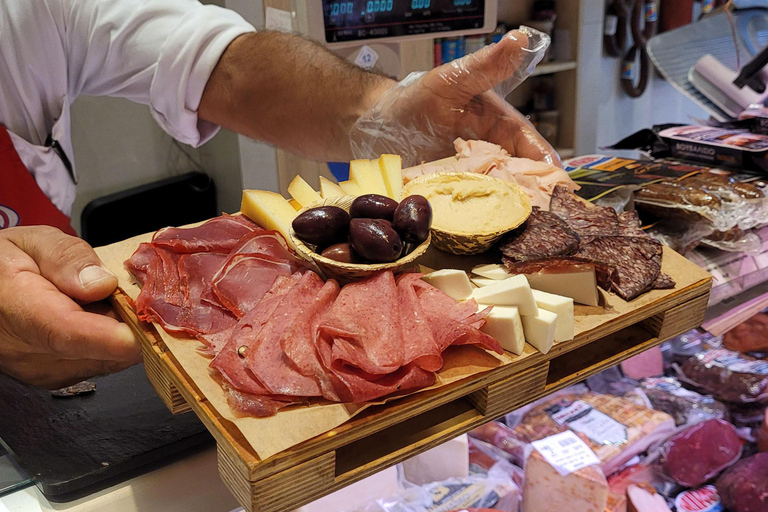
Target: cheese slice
column 540, row 330
column 391, row 167
column 453, row 283
column 513, row 291
column 351, row 188
column 504, row 324
column 494, row 271
column 330, row 189
column 482, row 281
column 367, row 176
column 562, row 307
column 546, row 490
column 269, row 210
column 296, row 205
column 576, row 281
column 302, row 192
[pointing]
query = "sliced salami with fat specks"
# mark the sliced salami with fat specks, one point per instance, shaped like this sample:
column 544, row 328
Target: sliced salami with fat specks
column 544, row 235
column 634, row 262
column 629, row 224
column 585, row 220
column 663, row 282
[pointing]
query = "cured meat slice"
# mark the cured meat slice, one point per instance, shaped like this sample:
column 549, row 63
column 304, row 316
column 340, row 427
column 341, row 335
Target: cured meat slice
column 251, row 269
column 195, row 272
column 229, row 362
column 364, row 325
column 245, row 404
column 634, row 262
column 419, row 343
column 299, row 343
column 544, row 235
column 293, row 317
column 214, row 341
column 161, row 299
column 583, row 219
column 664, row 282
column 220, row 234
column 139, row 262
column 629, row 224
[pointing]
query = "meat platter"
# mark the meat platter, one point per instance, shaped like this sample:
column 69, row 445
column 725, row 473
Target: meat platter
column 327, row 445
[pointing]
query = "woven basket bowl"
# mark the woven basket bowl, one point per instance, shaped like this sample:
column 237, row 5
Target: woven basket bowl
column 471, row 243
column 346, row 272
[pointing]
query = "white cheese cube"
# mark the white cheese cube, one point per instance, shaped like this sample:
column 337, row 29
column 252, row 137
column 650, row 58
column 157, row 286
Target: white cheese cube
column 513, row 291
column 482, row 281
column 540, row 330
column 576, row 281
column 453, row 283
column 504, row 324
column 494, row 271
column 562, row 307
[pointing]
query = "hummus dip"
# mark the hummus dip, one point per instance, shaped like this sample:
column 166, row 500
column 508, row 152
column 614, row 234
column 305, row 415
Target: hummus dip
column 470, row 203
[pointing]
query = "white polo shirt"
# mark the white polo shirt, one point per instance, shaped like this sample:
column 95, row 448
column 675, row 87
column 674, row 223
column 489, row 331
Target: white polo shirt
column 156, row 52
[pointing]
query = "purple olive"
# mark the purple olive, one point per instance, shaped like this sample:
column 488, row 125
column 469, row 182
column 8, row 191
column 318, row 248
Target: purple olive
column 324, row 225
column 413, row 218
column 342, row 252
column 375, row 240
column 373, row 206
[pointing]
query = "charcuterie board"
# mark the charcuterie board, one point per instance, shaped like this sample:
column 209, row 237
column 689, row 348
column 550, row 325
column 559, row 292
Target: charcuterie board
column 354, row 442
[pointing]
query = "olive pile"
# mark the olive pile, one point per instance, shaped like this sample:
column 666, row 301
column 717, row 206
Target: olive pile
column 376, row 229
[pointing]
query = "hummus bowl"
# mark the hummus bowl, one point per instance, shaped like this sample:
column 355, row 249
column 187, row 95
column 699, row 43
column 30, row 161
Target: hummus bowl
column 470, row 212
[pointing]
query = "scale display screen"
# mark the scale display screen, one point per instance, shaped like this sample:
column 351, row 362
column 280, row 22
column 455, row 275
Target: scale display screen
column 357, row 20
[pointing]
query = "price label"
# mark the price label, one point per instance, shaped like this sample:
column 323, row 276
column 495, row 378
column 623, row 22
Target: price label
column 566, row 452
column 367, row 57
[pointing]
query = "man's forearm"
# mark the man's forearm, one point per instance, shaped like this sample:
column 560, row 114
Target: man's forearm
column 291, row 92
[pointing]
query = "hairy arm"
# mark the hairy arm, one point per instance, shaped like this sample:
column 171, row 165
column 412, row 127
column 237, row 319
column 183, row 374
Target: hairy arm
column 290, row 92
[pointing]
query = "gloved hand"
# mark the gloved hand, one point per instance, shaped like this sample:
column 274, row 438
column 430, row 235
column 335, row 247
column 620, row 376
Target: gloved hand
column 47, row 338
column 420, row 117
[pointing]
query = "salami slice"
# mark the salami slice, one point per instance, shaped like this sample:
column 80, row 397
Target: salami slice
column 634, row 262
column 585, row 220
column 544, row 235
column 663, row 282
column 629, row 224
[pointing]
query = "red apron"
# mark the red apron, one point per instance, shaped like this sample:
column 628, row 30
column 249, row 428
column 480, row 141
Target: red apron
column 22, row 203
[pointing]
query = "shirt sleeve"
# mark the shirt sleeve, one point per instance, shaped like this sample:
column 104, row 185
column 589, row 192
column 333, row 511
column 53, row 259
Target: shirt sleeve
column 156, row 52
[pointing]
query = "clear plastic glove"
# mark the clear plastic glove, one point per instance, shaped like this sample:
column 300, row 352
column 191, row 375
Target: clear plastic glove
column 420, row 117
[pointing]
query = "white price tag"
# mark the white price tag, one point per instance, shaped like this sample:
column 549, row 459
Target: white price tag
column 566, row 452
column 278, row 19
column 367, row 57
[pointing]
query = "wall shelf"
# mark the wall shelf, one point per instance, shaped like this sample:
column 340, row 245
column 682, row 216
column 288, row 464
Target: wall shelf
column 549, row 68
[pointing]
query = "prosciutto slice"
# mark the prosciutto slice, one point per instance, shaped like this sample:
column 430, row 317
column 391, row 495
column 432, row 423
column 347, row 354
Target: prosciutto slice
column 196, row 271
column 161, row 299
column 221, row 234
column 138, row 264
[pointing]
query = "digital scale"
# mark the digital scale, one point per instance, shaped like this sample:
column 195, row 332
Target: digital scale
column 338, row 23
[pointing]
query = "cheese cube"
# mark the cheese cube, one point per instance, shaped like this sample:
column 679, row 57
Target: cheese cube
column 391, row 170
column 302, row 192
column 491, row 271
column 330, row 189
column 453, row 283
column 513, row 291
column 576, row 281
column 269, row 210
column 504, row 324
column 482, row 281
column 350, row 188
column 546, row 490
column 563, row 308
column 540, row 330
column 367, row 176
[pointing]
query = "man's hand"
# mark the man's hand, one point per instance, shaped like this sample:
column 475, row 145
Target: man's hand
column 46, row 337
column 420, row 118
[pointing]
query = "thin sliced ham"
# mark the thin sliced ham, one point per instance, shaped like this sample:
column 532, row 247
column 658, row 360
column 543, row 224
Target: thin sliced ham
column 160, row 299
column 221, row 234
column 196, row 272
column 139, row 262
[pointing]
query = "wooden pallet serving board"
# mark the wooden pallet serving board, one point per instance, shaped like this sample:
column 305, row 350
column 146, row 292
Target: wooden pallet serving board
column 357, row 442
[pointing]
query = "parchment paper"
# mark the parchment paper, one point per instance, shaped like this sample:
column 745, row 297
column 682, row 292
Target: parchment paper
column 289, row 427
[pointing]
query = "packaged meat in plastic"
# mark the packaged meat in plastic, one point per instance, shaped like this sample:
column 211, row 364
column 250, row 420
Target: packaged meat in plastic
column 668, row 395
column 516, row 445
column 762, row 434
column 701, row 452
column 484, row 457
column 547, row 490
column 703, row 499
column 728, row 376
column 615, row 428
column 644, row 498
column 749, row 336
column 637, row 474
column 744, row 486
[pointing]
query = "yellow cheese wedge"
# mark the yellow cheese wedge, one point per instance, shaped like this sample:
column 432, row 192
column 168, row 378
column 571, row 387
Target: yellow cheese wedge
column 367, row 176
column 392, row 171
column 269, row 210
column 296, row 205
column 351, row 188
column 330, row 189
column 302, row 192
